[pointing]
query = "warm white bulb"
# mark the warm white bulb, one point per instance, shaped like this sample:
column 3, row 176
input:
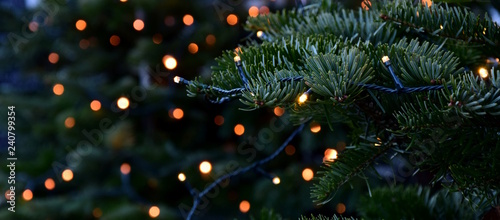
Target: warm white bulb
column 276, row 180
column 385, row 59
column 483, row 73
column 177, row 79
column 237, row 59
column 303, row 98
column 181, row 177
column 259, row 34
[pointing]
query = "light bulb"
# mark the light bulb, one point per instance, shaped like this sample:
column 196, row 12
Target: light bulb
column 177, row 79
column 237, row 59
column 385, row 59
column 276, row 180
column 483, row 73
column 259, row 34
column 303, row 98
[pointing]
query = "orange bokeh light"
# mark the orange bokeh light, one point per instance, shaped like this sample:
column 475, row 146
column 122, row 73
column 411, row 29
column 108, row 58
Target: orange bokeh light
column 219, row 120
column 58, row 89
column 210, row 39
column 239, row 129
column 138, row 24
column 27, row 195
column 244, row 206
column 95, row 105
column 264, row 10
column 366, row 4
column 428, row 2
column 315, row 127
column 114, row 40
column 178, row 113
column 169, row 62
column 232, row 19
column 50, row 184
column 279, row 111
column 253, row 11
column 81, row 25
column 340, row 208
column 125, row 168
column 290, row 150
column 157, row 38
column 154, row 211
column 193, row 48
column 330, row 155
column 188, row 19
column 69, row 122
column 307, row 174
column 53, row 58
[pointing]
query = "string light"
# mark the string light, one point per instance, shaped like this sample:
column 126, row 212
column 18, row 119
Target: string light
column 290, row 150
column 170, row 62
column 138, row 24
column 27, row 195
column 67, row 175
column 244, row 206
column 340, row 208
column 441, row 26
column 97, row 212
column 81, row 25
column 483, row 72
column 53, row 58
column 114, row 40
column 232, row 19
column 69, row 122
column 219, row 120
column 193, row 48
column 125, row 168
column 276, row 180
column 58, row 89
column 330, row 155
column 154, row 211
column 157, row 38
column 387, row 63
column 181, row 177
column 178, row 113
column 188, row 19
column 239, row 129
column 123, row 103
column 210, row 39
column 303, row 98
column 50, row 184
column 84, row 44
column 427, row 2
column 307, row 174
column 259, row 34
column 315, row 127
column 205, row 167
column 33, row 26
column 279, row 111
column 177, row 79
column 253, row 11
column 95, row 105
column 366, row 4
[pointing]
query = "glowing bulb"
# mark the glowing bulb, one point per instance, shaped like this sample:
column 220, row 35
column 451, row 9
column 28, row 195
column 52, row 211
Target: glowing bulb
column 441, row 26
column 53, row 58
column 154, row 211
column 188, row 19
column 315, row 127
column 427, row 2
column 279, row 111
column 27, row 195
column 125, row 168
column 178, row 113
column 50, row 184
column 253, row 11
column 181, row 177
column 95, row 105
column 123, row 103
column 67, row 175
column 303, row 98
column 244, row 206
column 138, row 24
column 170, row 62
column 483, row 73
column 232, row 19
column 239, row 129
column 81, row 25
column 385, row 59
column 259, row 34
column 69, row 122
column 205, row 167
column 193, row 48
column 276, row 180
column 58, row 89
column 237, row 59
column 307, row 174
column 330, row 155
column 177, row 79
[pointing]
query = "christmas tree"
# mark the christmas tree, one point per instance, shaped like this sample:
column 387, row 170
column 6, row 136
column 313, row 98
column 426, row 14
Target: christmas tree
column 400, row 100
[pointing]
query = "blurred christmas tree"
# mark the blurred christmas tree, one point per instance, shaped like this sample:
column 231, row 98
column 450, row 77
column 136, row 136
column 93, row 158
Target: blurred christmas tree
column 103, row 132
